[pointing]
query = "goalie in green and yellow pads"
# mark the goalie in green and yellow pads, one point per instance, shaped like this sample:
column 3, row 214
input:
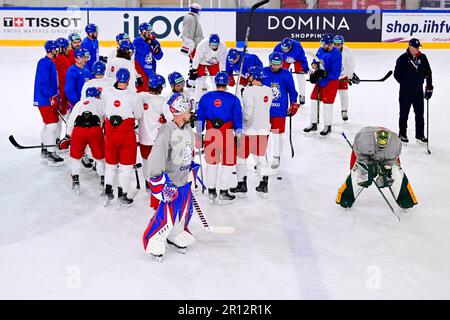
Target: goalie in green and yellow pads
column 376, row 159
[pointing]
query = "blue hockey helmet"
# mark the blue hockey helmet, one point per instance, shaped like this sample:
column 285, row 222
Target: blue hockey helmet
column 99, row 68
column 326, row 38
column 145, row 26
column 276, row 58
column 233, row 54
column 195, row 8
column 214, row 40
column 91, row 28
column 221, row 79
column 175, row 78
column 256, row 72
column 93, row 92
column 338, row 39
column 74, row 37
column 122, row 37
column 286, row 44
column 50, row 45
column 179, row 104
column 155, row 81
column 123, row 75
column 82, row 53
column 62, row 42
column 126, row 46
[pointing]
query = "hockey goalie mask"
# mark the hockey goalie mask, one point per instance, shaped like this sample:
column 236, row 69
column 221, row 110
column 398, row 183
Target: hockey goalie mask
column 179, row 104
column 382, row 138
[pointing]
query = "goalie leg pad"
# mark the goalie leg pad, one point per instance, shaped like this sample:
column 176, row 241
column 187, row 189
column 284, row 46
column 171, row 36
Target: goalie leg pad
column 349, row 190
column 401, row 188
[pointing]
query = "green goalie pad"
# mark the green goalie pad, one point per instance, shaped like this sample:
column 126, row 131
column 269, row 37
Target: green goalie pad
column 401, row 189
column 349, row 190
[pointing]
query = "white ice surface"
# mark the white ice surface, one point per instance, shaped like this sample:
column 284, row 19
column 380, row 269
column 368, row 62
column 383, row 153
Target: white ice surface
column 297, row 244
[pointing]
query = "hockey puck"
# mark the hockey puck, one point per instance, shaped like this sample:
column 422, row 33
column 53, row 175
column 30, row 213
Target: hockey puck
column 280, row 178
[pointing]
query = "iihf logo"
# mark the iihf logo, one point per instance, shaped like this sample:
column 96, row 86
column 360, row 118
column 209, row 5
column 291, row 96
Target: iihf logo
column 276, row 91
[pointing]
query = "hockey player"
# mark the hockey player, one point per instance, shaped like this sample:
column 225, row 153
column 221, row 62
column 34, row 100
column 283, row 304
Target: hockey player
column 293, row 53
column 122, row 108
column 148, row 50
column 47, row 100
column 176, row 82
column 74, row 44
column 119, row 38
column 124, row 60
column 100, row 81
column 325, row 77
column 233, row 65
column 284, row 102
column 76, row 76
column 256, row 105
column 62, row 65
column 211, row 55
column 170, row 166
column 348, row 75
column 90, row 43
column 376, row 158
column 222, row 113
column 84, row 128
column 192, row 32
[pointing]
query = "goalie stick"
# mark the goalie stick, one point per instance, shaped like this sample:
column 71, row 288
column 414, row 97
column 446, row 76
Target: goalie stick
column 206, row 225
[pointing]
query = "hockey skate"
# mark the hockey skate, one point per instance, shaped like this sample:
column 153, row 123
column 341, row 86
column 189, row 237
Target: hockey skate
column 403, row 139
column 241, row 190
column 76, row 183
column 87, row 162
column 422, row 140
column 53, row 159
column 180, row 249
column 312, row 127
column 102, row 185
column 344, row 114
column 212, row 196
column 262, row 189
column 108, row 195
column 44, row 155
column 124, row 201
column 275, row 163
column 326, row 131
column 225, row 198
column 157, row 257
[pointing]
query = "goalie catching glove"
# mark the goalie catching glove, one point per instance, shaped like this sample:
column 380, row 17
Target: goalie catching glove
column 163, row 188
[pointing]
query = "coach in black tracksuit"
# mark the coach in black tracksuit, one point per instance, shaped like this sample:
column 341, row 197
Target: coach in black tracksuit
column 411, row 69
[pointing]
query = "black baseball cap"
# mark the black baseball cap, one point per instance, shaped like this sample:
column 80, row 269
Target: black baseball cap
column 414, row 43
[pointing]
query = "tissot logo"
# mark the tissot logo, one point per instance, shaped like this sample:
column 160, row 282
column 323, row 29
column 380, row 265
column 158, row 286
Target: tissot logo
column 36, row 22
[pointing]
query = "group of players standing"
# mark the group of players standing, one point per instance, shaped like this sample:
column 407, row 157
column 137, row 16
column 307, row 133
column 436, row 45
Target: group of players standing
column 102, row 103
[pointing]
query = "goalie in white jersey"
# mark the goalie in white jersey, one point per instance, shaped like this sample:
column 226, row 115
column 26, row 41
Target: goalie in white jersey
column 347, row 76
column 256, row 104
column 211, row 55
column 100, row 81
column 122, row 108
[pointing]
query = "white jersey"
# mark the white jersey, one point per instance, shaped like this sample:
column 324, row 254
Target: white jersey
column 113, row 54
column 124, row 103
column 91, row 104
column 207, row 56
column 256, row 104
column 348, row 63
column 100, row 84
column 154, row 106
column 117, row 63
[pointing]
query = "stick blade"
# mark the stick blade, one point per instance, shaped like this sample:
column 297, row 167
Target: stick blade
column 221, row 229
column 14, row 142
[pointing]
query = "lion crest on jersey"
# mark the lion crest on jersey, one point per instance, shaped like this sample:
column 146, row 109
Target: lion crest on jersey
column 289, row 59
column 212, row 60
column 187, row 154
column 276, row 91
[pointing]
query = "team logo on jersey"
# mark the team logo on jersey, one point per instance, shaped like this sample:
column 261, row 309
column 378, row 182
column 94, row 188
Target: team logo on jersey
column 217, row 102
column 112, row 69
column 289, row 60
column 187, row 154
column 86, row 102
column 275, row 91
column 212, row 60
column 117, row 103
column 266, row 98
column 145, row 106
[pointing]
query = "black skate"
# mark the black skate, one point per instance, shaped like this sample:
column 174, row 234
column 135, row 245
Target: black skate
column 87, row 162
column 108, row 195
column 124, row 201
column 157, row 257
column 53, row 159
column 102, row 184
column 44, row 155
column 326, row 131
column 241, row 189
column 344, row 114
column 262, row 190
column 422, row 140
column 403, row 139
column 76, row 183
column 312, row 127
column 212, row 195
column 177, row 247
column 276, row 163
column 225, row 198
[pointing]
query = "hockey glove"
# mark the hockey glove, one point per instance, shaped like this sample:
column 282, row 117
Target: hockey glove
column 54, row 103
column 302, row 100
column 184, row 50
column 139, row 81
column 169, row 192
column 193, row 119
column 231, row 81
column 428, row 92
column 155, row 48
column 385, row 178
column 64, row 143
column 354, row 79
column 103, row 59
column 368, row 172
column 193, row 74
column 293, row 108
column 314, row 77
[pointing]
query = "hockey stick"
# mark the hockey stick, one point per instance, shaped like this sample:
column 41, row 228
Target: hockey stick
column 290, row 136
column 206, row 225
column 428, row 126
column 135, row 167
column 247, row 34
column 61, row 117
column 373, row 181
column 20, row 147
column 201, row 165
column 378, row 80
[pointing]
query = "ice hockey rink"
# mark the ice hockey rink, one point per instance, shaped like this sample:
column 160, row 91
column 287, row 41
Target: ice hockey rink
column 296, row 244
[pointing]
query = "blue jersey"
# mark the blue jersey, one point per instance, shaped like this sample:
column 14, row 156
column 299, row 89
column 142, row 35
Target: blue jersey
column 249, row 61
column 283, row 89
column 45, row 82
column 92, row 47
column 295, row 54
column 220, row 104
column 332, row 62
column 75, row 79
column 145, row 56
